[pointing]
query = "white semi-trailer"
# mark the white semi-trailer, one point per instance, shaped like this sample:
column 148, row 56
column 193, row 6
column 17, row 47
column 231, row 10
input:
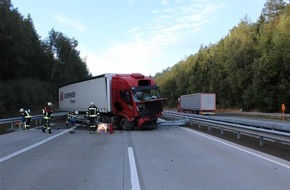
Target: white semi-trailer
column 199, row 103
column 129, row 100
column 77, row 96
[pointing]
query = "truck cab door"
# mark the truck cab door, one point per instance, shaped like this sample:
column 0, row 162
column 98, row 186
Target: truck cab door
column 122, row 101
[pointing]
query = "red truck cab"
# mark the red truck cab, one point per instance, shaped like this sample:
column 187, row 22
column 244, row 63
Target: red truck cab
column 136, row 101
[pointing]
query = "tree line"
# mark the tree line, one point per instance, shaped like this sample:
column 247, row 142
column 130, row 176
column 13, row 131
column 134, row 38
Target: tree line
column 248, row 69
column 32, row 69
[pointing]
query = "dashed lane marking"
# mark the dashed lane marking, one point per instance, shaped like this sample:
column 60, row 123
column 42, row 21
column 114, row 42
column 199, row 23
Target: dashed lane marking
column 134, row 174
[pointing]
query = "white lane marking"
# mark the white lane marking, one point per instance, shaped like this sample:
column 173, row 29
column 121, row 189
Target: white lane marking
column 31, row 146
column 134, row 174
column 236, row 147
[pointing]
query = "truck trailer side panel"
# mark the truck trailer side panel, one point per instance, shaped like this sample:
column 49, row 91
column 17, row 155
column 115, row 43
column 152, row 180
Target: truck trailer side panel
column 77, row 96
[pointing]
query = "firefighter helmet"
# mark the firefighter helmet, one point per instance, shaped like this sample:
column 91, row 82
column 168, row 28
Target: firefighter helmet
column 49, row 103
column 92, row 103
column 21, row 110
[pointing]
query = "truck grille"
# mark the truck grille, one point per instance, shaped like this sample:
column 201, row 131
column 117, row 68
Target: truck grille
column 151, row 108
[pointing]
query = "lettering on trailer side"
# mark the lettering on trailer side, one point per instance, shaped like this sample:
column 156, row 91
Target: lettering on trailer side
column 69, row 95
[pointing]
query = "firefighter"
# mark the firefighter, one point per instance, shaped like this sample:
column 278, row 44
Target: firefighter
column 26, row 118
column 92, row 113
column 47, row 114
column 71, row 118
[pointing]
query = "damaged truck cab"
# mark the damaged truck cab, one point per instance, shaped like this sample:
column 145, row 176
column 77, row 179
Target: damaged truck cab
column 130, row 101
column 137, row 102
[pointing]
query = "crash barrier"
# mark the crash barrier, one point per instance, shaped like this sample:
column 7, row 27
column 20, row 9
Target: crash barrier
column 281, row 116
column 16, row 121
column 262, row 129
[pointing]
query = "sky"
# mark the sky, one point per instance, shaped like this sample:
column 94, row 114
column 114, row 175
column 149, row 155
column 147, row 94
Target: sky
column 138, row 36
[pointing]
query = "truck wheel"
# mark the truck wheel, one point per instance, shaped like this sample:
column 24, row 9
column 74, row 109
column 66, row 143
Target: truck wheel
column 126, row 125
column 122, row 123
column 129, row 126
column 117, row 124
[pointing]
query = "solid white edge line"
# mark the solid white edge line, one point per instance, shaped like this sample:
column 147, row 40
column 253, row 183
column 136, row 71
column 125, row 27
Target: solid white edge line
column 32, row 146
column 238, row 148
column 134, row 174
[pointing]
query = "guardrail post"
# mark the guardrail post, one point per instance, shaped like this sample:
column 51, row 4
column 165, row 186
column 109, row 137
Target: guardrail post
column 238, row 135
column 12, row 127
column 222, row 131
column 261, row 141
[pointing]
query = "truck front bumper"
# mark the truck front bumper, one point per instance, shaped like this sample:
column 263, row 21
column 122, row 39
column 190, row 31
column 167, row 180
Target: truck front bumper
column 147, row 123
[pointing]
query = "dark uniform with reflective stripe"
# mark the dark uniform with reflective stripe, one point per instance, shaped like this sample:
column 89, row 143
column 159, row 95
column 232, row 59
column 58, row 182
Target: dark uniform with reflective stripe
column 92, row 113
column 26, row 118
column 71, row 118
column 47, row 114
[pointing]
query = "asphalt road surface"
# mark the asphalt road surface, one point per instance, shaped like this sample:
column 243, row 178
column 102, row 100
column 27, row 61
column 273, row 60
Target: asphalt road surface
column 169, row 157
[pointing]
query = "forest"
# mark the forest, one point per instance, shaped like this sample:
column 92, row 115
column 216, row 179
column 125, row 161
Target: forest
column 33, row 69
column 248, row 69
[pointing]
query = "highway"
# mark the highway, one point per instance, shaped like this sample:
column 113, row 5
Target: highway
column 170, row 157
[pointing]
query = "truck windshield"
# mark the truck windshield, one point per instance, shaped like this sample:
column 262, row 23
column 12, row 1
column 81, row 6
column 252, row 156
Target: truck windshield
column 144, row 94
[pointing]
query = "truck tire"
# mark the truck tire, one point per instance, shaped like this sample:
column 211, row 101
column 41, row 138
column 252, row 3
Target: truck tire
column 122, row 123
column 126, row 125
column 116, row 123
column 130, row 125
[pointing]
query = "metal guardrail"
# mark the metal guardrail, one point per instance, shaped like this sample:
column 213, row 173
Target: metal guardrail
column 246, row 127
column 259, row 114
column 36, row 118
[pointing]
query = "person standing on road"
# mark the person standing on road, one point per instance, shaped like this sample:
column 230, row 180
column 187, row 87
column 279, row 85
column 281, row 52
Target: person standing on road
column 47, row 114
column 26, row 118
column 92, row 113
